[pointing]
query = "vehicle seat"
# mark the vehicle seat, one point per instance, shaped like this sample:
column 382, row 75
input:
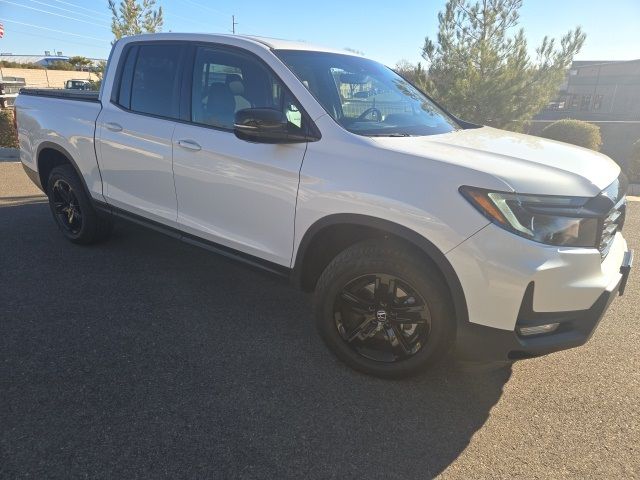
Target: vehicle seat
column 220, row 108
column 236, row 87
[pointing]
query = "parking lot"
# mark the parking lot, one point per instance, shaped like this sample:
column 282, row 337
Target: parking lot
column 146, row 357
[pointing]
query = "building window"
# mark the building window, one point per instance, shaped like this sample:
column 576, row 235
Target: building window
column 597, row 102
column 585, row 104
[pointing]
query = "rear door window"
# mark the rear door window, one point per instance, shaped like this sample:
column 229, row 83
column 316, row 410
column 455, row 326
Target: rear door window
column 155, row 84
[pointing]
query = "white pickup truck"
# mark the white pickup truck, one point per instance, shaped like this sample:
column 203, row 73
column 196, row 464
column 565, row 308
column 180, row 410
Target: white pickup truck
column 418, row 232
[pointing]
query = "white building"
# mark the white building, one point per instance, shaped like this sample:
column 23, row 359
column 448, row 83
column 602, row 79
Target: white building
column 44, row 60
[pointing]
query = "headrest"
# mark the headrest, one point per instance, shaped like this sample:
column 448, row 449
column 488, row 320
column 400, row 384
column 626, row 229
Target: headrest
column 220, row 99
column 235, row 84
column 236, row 87
column 233, row 77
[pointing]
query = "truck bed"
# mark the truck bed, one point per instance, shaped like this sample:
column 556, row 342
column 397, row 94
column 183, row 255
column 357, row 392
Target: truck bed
column 60, row 120
column 81, row 95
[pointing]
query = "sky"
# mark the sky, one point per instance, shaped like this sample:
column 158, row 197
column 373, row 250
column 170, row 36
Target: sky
column 385, row 31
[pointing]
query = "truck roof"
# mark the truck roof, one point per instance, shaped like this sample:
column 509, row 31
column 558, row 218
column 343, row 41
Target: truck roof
column 265, row 42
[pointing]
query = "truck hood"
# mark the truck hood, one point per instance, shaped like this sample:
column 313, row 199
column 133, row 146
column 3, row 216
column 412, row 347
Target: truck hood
column 525, row 163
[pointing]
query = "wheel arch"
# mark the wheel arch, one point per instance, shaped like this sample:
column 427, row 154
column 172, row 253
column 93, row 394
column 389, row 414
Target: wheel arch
column 50, row 155
column 348, row 229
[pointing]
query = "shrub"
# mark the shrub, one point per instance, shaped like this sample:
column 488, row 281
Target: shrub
column 632, row 167
column 9, row 64
column 576, row 132
column 61, row 65
column 7, row 132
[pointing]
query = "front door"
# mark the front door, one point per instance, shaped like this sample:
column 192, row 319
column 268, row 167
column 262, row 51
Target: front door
column 229, row 191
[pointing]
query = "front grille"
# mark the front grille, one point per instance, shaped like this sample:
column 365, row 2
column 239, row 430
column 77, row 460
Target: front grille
column 612, row 224
column 614, row 220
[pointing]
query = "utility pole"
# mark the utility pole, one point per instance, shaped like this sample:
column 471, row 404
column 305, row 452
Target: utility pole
column 233, row 24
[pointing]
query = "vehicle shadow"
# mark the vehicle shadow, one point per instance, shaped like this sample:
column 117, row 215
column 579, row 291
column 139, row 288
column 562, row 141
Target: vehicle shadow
column 147, row 357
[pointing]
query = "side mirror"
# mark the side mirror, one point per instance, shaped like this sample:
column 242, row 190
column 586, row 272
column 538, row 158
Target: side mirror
column 263, row 125
column 266, row 125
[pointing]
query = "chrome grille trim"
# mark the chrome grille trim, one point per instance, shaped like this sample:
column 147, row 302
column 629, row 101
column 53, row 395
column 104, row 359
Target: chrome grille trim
column 612, row 223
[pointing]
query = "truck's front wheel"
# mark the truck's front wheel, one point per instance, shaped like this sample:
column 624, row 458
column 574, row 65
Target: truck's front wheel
column 384, row 310
column 72, row 209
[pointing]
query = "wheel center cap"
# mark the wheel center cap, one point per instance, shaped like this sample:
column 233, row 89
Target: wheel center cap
column 381, row 316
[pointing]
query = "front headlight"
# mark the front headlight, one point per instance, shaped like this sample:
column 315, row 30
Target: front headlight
column 542, row 218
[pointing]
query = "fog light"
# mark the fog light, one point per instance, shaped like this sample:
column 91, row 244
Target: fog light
column 538, row 329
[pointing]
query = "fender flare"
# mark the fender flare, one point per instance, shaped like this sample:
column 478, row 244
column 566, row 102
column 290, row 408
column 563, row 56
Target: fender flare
column 434, row 253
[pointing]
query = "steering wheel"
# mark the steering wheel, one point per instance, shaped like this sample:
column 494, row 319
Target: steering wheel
column 376, row 115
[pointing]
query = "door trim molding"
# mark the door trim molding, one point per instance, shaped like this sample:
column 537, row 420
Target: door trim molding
column 247, row 259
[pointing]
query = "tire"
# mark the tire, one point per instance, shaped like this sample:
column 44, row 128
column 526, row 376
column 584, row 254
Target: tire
column 73, row 210
column 349, row 284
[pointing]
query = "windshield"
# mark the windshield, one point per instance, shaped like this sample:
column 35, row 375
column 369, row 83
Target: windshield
column 365, row 97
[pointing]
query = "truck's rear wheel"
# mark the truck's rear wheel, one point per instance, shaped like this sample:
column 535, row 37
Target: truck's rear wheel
column 384, row 311
column 72, row 209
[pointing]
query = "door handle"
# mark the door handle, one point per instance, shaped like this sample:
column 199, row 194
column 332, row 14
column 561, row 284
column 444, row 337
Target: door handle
column 189, row 145
column 114, row 127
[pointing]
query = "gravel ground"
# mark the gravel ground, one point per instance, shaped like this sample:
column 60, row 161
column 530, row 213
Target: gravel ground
column 145, row 357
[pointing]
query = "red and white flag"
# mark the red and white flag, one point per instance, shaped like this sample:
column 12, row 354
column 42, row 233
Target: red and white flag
column 1, row 30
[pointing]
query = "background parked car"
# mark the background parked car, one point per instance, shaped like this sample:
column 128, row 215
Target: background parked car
column 77, row 84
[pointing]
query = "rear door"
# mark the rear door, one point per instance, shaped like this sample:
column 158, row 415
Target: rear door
column 230, row 191
column 135, row 128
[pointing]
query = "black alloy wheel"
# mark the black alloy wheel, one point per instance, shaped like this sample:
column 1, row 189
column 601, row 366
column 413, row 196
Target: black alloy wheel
column 72, row 208
column 384, row 308
column 66, row 207
column 382, row 317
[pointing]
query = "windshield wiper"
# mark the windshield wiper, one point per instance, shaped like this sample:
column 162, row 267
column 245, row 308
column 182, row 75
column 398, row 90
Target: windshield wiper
column 387, row 134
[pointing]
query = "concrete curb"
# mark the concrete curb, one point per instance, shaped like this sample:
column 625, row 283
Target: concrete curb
column 9, row 154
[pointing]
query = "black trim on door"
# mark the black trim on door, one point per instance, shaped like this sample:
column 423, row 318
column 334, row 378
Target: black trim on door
column 223, row 250
column 187, row 85
column 116, row 90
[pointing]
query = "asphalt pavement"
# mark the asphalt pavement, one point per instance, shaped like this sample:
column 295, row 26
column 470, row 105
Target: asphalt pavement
column 147, row 358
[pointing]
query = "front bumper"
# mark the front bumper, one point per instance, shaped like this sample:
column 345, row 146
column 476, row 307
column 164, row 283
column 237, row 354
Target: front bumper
column 482, row 343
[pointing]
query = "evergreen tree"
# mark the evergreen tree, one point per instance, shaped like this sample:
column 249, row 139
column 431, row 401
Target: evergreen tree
column 61, row 65
column 132, row 17
column 482, row 71
column 416, row 74
column 80, row 62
